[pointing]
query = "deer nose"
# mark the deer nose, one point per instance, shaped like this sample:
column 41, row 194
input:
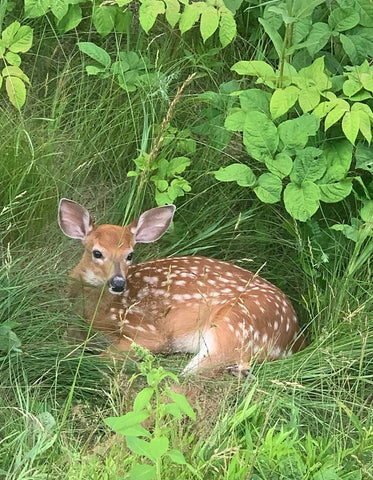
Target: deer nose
column 117, row 284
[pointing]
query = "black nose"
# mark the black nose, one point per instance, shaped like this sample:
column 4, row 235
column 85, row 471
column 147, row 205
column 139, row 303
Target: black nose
column 117, row 283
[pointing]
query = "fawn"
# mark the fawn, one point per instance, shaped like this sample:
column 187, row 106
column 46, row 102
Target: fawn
column 227, row 316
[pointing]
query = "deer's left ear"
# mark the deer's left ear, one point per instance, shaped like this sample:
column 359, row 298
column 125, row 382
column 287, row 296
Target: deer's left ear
column 152, row 224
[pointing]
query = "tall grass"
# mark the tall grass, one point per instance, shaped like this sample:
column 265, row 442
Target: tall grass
column 307, row 416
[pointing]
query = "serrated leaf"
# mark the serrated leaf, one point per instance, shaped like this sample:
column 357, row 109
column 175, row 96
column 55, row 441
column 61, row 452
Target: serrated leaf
column 142, row 399
column 13, row 59
column 16, row 91
column 350, row 125
column 129, row 424
column 282, row 100
column 255, row 68
column 142, row 472
column 227, row 28
column 181, row 401
column 172, row 12
column 260, row 136
column 149, row 11
column 103, row 18
column 308, row 165
column 189, row 16
column 269, row 188
column 209, row 21
column 71, row 20
column 302, row 201
column 95, row 52
column 236, row 172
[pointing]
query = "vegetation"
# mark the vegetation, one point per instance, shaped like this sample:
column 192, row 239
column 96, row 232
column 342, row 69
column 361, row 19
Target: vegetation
column 255, row 119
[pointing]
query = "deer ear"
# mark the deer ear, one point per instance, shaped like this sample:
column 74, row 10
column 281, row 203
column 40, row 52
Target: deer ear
column 74, row 220
column 153, row 223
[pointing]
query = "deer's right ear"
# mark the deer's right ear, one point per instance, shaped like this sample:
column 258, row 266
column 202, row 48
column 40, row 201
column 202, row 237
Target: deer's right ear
column 73, row 219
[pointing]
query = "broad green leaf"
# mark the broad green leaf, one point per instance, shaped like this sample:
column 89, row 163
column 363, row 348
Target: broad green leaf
column 149, row 11
column 350, row 125
column 351, row 87
column 153, row 449
column 93, row 70
column 59, row 8
column 313, row 75
column 308, row 165
column 13, row 71
column 255, row 68
column 365, row 10
column 324, row 108
column 233, row 5
column 302, row 201
column 13, row 59
column 364, row 157
column 336, row 113
column 129, row 424
column 366, row 211
column 236, row 172
column 273, row 35
column 9, row 33
column 282, row 100
column 71, row 20
column 365, row 126
column 142, row 472
column 36, row 8
column 269, row 188
column 95, row 52
column 318, row 37
column 294, row 133
column 177, row 457
column 227, row 27
column 123, row 21
column 177, row 165
column 172, row 12
column 181, row 401
column 210, row 18
column 366, row 80
column 342, row 19
column 255, row 99
column 235, row 122
column 22, row 40
column 189, row 16
column 349, row 231
column 142, row 399
column 304, row 8
column 338, row 157
column 281, row 165
column 103, row 18
column 335, row 192
column 260, row 136
column 349, row 47
column 309, row 98
column 16, row 91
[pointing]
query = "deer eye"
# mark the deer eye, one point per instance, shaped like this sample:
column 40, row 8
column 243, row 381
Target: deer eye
column 129, row 257
column 97, row 254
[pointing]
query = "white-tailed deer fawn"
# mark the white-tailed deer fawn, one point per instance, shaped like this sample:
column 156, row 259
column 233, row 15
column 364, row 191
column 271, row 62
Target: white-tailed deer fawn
column 227, row 316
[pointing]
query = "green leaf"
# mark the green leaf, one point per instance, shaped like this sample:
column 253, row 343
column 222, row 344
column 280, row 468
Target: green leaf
column 269, row 188
column 260, row 136
column 349, row 231
column 235, row 122
column 36, row 8
column 71, row 20
column 172, row 12
column 318, row 37
column 304, row 8
column 22, row 40
column 313, row 75
column 350, row 48
column 282, row 100
column 309, row 98
column 366, row 211
column 365, row 10
column 281, row 165
column 341, row 19
column 294, row 133
column 336, row 113
column 177, row 165
column 209, row 21
column 365, row 126
column 142, row 472
column 364, row 157
column 308, row 165
column 335, row 192
column 338, row 157
column 149, row 11
column 123, row 21
column 350, row 125
column 12, row 71
column 255, row 99
column 13, row 59
column 103, row 18
column 236, row 172
column 302, row 201
column 153, row 449
column 255, row 68
column 9, row 32
column 142, row 399
column 189, row 16
column 177, row 457
column 181, row 401
column 16, row 91
column 273, row 35
column 59, row 8
column 227, row 28
column 95, row 52
column 129, row 424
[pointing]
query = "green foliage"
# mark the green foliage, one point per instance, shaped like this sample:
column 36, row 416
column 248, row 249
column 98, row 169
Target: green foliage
column 15, row 39
column 159, row 403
